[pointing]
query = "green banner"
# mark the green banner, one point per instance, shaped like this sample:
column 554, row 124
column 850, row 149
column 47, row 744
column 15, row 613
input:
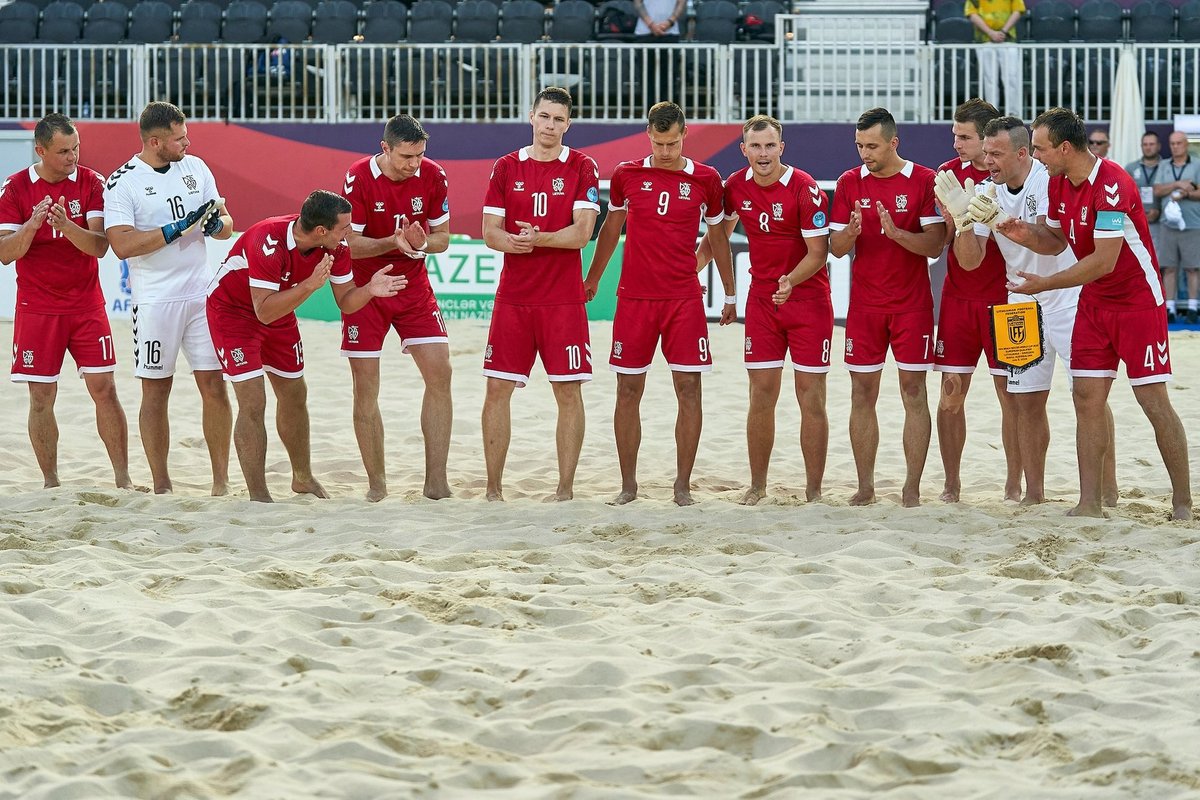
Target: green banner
column 464, row 278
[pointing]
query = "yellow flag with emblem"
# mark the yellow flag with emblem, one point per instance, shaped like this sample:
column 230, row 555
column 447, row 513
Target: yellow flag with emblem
column 1017, row 334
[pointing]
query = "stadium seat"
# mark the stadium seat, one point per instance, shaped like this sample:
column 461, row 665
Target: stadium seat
column 572, row 21
column 106, row 23
column 1051, row 29
column 335, row 22
column 955, row 30
column 18, row 22
column 758, row 20
column 522, row 21
column 1101, row 21
column 475, row 21
column 1152, row 21
column 385, row 21
column 290, row 20
column 615, row 21
column 947, row 9
column 1189, row 21
column 199, row 22
column 430, row 21
column 716, row 21
column 245, row 22
column 149, row 22
column 62, row 22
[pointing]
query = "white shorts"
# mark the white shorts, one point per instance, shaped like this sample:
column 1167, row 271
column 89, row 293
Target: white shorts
column 162, row 330
column 1057, row 326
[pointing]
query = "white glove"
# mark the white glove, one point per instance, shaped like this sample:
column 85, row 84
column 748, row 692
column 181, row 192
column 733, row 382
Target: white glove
column 954, row 197
column 984, row 209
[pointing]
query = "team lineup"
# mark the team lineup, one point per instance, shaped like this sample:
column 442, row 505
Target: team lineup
column 1030, row 218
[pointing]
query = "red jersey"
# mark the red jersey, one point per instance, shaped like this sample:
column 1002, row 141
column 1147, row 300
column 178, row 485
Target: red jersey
column 266, row 257
column 545, row 194
column 54, row 276
column 1108, row 206
column 665, row 208
column 986, row 282
column 884, row 277
column 777, row 219
column 378, row 205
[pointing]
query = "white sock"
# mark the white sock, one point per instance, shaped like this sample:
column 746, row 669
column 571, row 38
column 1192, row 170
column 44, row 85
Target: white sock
column 1171, row 306
column 1193, row 304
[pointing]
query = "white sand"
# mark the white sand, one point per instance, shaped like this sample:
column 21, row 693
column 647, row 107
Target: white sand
column 189, row 647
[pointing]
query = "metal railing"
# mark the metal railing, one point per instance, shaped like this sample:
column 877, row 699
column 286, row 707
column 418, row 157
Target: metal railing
column 796, row 81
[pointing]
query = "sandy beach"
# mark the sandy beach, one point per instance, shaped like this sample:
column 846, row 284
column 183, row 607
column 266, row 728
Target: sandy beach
column 192, row 647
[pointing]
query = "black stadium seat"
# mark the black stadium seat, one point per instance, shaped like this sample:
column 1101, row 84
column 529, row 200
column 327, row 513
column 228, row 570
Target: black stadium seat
column 1100, row 21
column 18, row 22
column 106, row 23
column 199, row 22
column 955, row 30
column 245, row 22
column 385, row 21
column 572, row 21
column 758, row 19
column 1152, row 21
column 476, row 21
column 429, row 21
column 716, row 21
column 522, row 21
column 62, row 22
column 335, row 22
column 1189, row 21
column 150, row 22
column 291, row 20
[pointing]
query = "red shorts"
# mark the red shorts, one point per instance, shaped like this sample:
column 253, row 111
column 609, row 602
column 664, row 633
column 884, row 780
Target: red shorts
column 639, row 324
column 964, row 330
column 1104, row 336
column 40, row 341
column 868, row 335
column 417, row 320
column 802, row 325
column 558, row 333
column 247, row 348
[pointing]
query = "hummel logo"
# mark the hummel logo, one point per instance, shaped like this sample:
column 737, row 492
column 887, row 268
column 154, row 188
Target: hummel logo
column 274, row 243
column 1163, row 355
column 348, row 187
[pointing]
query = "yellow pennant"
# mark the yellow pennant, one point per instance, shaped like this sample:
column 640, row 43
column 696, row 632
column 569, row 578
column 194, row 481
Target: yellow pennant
column 1017, row 334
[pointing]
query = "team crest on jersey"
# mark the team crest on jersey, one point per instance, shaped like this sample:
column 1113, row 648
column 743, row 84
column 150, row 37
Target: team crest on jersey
column 557, row 185
column 379, row 205
column 1062, row 208
column 941, row 347
column 1031, row 206
column 849, row 347
column 189, row 182
column 352, row 333
column 27, row 358
column 647, row 186
column 777, row 210
column 75, row 208
column 902, row 202
column 617, row 348
column 1083, row 215
column 239, row 356
column 418, row 205
column 748, row 344
column 519, row 186
column 685, row 191
column 487, row 353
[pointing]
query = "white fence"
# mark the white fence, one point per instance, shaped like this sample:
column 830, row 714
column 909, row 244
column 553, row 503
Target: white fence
column 796, row 81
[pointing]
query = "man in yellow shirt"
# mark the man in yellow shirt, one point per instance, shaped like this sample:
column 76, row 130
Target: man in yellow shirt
column 996, row 30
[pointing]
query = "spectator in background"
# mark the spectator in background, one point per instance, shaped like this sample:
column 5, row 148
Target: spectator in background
column 658, row 20
column 1178, row 246
column 996, row 30
column 1145, row 173
column 1098, row 142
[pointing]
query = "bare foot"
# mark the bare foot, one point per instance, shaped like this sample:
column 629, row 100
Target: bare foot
column 813, row 495
column 752, row 496
column 494, row 496
column 910, row 498
column 1013, row 493
column 949, row 495
column 436, row 491
column 1182, row 511
column 309, row 486
column 561, row 496
column 165, row 487
column 626, row 496
column 863, row 497
column 1032, row 499
column 376, row 493
column 50, row 482
column 265, row 497
column 684, row 498
column 1109, row 500
column 1087, row 511
column 220, row 488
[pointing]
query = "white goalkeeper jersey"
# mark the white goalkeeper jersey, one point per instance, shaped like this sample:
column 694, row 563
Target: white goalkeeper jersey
column 136, row 194
column 1028, row 203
